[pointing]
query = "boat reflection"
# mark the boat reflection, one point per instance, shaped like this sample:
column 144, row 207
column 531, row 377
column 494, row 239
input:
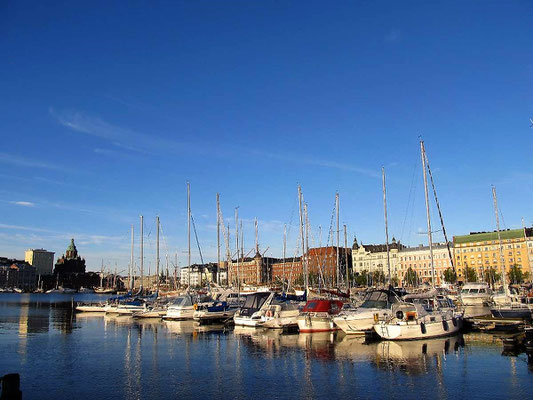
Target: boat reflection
column 180, row 327
column 417, row 356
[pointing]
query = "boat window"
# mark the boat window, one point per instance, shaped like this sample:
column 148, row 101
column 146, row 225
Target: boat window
column 311, row 305
column 474, row 291
column 481, row 290
column 376, row 300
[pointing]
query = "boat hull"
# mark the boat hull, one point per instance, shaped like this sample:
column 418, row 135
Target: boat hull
column 415, row 330
column 308, row 324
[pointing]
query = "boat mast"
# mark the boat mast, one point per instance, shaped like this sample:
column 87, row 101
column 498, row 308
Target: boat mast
column 284, row 252
column 142, row 254
column 338, row 231
column 131, row 271
column 218, row 239
column 386, row 225
column 423, row 155
column 307, row 228
column 237, row 246
column 304, row 260
column 157, row 253
column 502, row 260
column 189, row 235
column 346, row 260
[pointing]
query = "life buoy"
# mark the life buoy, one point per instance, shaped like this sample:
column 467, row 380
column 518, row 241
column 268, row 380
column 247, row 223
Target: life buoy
column 269, row 313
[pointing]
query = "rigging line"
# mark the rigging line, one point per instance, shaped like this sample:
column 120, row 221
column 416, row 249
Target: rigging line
column 440, row 214
column 197, row 242
column 411, row 194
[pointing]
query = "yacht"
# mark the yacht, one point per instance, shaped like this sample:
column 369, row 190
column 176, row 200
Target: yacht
column 476, row 294
column 281, row 314
column 318, row 314
column 253, row 309
column 376, row 305
column 183, row 307
column 213, row 312
column 420, row 320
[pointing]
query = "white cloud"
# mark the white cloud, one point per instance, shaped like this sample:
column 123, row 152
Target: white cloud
column 11, row 159
column 23, row 203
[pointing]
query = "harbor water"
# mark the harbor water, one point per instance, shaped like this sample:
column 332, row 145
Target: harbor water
column 61, row 354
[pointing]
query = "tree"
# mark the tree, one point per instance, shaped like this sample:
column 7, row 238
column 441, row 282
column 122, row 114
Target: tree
column 470, row 274
column 410, row 277
column 361, row 279
column 515, row 275
column 378, row 277
column 450, row 275
column 492, row 276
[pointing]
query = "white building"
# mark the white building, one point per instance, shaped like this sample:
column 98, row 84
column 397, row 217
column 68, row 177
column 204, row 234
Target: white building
column 42, row 260
column 373, row 257
column 419, row 260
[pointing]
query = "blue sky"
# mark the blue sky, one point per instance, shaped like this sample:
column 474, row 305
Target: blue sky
column 107, row 110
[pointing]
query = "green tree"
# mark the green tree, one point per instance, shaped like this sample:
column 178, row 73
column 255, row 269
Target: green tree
column 378, row 277
column 515, row 275
column 470, row 274
column 450, row 275
column 361, row 279
column 492, row 276
column 410, row 277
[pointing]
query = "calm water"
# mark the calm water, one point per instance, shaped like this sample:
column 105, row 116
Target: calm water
column 60, row 354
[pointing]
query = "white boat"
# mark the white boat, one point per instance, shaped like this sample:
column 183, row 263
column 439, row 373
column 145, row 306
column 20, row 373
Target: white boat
column 213, row 312
column 62, row 290
column 91, row 307
column 183, row 307
column 253, row 309
column 317, row 315
column 475, row 294
column 130, row 307
column 376, row 306
column 280, row 315
column 410, row 321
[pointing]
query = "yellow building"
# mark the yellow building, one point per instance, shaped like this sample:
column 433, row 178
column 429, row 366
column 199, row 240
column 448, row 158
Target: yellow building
column 481, row 251
column 419, row 260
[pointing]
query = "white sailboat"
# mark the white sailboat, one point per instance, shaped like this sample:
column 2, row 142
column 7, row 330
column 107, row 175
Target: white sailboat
column 415, row 319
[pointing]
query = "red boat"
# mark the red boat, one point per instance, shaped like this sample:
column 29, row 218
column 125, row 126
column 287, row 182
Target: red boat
column 317, row 315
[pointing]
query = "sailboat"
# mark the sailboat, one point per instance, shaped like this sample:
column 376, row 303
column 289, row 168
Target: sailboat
column 424, row 315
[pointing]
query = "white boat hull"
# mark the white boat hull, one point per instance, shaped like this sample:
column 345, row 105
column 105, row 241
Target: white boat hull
column 414, row 330
column 91, row 308
column 180, row 314
column 307, row 323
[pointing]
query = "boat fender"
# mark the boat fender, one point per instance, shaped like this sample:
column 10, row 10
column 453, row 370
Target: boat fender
column 399, row 314
column 423, row 328
column 376, row 317
column 445, row 326
column 195, row 306
column 454, row 321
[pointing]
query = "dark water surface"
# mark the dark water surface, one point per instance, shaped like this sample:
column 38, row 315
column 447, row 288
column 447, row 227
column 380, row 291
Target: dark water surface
column 60, row 354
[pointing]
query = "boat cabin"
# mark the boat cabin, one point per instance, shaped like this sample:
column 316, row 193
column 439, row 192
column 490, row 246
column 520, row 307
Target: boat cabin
column 254, row 302
column 323, row 306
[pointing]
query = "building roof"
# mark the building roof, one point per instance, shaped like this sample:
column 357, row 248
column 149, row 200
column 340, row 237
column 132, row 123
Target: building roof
column 488, row 236
column 435, row 246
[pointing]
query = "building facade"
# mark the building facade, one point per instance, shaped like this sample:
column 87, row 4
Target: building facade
column 42, row 260
column 373, row 258
column 255, row 270
column 17, row 274
column 200, row 274
column 481, row 251
column 419, row 260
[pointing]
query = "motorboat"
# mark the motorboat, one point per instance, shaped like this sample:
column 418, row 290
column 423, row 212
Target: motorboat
column 476, row 294
column 183, row 307
column 420, row 320
column 91, row 307
column 213, row 312
column 62, row 290
column 281, row 314
column 376, row 305
column 521, row 309
column 318, row 314
column 253, row 309
column 131, row 306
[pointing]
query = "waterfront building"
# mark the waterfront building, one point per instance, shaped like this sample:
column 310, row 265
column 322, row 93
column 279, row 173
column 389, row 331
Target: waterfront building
column 255, row 270
column 419, row 260
column 70, row 262
column 17, row 274
column 199, row 274
column 373, row 257
column 481, row 251
column 42, row 260
column 287, row 270
column 323, row 261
